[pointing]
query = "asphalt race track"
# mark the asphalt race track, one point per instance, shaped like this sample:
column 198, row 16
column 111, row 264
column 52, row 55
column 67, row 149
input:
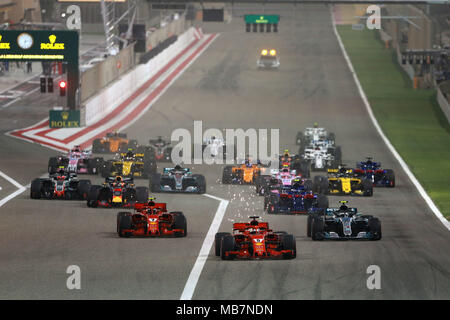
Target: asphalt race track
column 39, row 239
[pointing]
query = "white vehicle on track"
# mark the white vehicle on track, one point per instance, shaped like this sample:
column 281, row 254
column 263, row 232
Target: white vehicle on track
column 319, row 159
column 215, row 146
column 268, row 59
column 312, row 134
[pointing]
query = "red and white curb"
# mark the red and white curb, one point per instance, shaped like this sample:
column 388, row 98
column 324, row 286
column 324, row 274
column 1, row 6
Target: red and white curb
column 126, row 113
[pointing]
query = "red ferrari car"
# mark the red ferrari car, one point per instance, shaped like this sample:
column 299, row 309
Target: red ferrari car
column 151, row 220
column 254, row 240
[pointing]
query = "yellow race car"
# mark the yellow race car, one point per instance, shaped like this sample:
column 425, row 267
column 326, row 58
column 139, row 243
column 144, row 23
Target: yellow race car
column 343, row 181
column 130, row 165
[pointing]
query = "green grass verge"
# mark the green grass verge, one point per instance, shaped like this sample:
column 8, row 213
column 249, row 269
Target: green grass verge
column 411, row 119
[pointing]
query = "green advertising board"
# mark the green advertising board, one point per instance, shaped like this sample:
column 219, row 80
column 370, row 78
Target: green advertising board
column 45, row 45
column 64, row 119
column 256, row 18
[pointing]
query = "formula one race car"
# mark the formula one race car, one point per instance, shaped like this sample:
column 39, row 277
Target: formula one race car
column 294, row 162
column 114, row 142
column 343, row 181
column 213, row 147
column 60, row 185
column 246, row 173
column 268, row 59
column 178, row 179
column 151, row 220
column 77, row 161
column 283, row 177
column 129, row 164
column 372, row 170
column 321, row 159
column 314, row 133
column 343, row 223
column 254, row 240
column 116, row 192
column 159, row 148
column 293, row 199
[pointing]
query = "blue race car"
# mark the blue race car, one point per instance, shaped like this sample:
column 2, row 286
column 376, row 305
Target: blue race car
column 293, row 199
column 372, row 171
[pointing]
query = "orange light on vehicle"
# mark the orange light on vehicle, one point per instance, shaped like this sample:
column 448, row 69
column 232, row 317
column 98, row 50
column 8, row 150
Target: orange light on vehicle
column 264, row 52
column 273, row 52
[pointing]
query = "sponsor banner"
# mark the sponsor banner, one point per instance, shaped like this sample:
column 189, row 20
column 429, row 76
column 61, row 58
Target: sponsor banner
column 64, row 119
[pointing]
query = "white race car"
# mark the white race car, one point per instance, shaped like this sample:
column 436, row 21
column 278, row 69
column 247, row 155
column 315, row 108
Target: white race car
column 320, row 159
column 315, row 133
column 268, row 59
column 214, row 146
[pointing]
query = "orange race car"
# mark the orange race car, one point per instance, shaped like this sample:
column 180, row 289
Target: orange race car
column 151, row 220
column 246, row 173
column 114, row 142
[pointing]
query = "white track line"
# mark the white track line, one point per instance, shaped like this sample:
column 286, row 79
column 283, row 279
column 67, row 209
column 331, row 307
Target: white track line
column 391, row 148
column 196, row 271
column 15, row 193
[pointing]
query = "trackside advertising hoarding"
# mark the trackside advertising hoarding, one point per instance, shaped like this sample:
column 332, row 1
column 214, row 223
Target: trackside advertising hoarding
column 64, row 119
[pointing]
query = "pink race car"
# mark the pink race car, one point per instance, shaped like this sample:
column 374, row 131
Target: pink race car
column 76, row 161
column 279, row 178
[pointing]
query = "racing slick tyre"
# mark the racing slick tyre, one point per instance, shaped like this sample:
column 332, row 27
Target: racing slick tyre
column 375, row 228
column 390, row 176
column 272, row 204
column 367, row 188
column 97, row 146
column 155, row 183
column 227, row 175
column 218, row 241
column 322, row 201
column 94, row 165
column 266, row 201
column 227, row 244
column 201, row 182
column 36, row 189
column 149, row 167
column 308, row 225
column 180, row 223
column 93, row 196
column 142, row 194
column 305, row 169
column 119, row 217
column 308, row 185
column 317, row 228
column 260, row 184
column 289, row 243
column 320, row 184
column 83, row 189
column 106, row 169
column 125, row 223
column 52, row 165
column 331, row 136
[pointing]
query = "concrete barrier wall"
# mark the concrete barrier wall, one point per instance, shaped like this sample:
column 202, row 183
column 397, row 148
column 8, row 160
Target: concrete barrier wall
column 101, row 74
column 105, row 72
column 114, row 94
